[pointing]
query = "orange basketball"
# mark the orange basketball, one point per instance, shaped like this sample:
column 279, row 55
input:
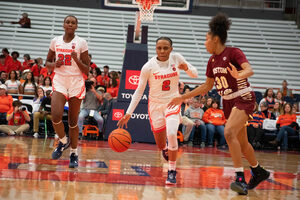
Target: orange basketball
column 119, row 140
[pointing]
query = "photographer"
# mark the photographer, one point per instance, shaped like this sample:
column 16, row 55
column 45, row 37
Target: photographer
column 17, row 118
column 90, row 105
column 43, row 112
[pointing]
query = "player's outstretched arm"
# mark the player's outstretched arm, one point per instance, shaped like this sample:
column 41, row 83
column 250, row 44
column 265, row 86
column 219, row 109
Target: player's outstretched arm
column 200, row 90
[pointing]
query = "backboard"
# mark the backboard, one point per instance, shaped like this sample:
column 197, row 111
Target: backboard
column 168, row 6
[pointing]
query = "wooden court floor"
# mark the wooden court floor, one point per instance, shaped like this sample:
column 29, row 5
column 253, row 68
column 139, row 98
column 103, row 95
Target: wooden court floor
column 28, row 172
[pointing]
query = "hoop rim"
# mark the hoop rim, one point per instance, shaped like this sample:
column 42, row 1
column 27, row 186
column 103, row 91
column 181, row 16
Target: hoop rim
column 141, row 2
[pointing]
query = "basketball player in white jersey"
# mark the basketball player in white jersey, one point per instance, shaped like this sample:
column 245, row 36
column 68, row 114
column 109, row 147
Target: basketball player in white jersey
column 162, row 74
column 68, row 55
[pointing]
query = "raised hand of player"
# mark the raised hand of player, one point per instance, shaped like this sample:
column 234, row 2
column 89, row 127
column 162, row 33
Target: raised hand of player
column 183, row 66
column 174, row 102
column 123, row 121
column 59, row 63
column 233, row 71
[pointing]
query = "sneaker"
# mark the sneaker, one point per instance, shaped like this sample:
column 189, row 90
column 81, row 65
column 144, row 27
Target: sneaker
column 73, row 161
column 165, row 154
column 259, row 174
column 56, row 154
column 202, row 145
column 240, row 187
column 36, row 135
column 171, row 177
column 12, row 133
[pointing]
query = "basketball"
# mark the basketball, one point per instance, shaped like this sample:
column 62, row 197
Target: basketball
column 119, row 140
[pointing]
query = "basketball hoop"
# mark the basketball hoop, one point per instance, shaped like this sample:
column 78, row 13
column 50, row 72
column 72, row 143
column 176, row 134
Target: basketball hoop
column 146, row 8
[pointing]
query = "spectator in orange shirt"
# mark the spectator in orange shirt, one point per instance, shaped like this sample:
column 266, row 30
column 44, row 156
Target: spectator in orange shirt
column 8, row 58
column 46, row 72
column 17, row 118
column 92, row 64
column 3, row 67
column 37, row 68
column 106, row 71
column 15, row 64
column 215, row 120
column 5, row 103
column 102, row 80
column 24, row 21
column 287, row 125
column 96, row 72
column 27, row 64
column 113, row 88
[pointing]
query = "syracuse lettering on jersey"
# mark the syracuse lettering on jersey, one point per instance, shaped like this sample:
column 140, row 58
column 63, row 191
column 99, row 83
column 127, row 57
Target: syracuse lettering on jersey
column 166, row 75
column 64, row 50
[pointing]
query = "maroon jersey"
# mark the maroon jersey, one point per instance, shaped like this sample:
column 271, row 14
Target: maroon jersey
column 217, row 69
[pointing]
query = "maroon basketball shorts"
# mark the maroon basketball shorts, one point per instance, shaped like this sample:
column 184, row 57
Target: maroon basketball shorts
column 246, row 103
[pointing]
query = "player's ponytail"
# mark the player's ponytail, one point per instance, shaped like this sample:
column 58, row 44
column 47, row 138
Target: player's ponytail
column 219, row 25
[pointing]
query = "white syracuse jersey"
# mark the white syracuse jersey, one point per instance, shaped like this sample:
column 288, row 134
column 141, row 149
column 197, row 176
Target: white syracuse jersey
column 63, row 52
column 163, row 79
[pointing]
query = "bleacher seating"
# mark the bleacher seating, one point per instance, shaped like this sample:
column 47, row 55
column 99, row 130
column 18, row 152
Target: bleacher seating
column 271, row 46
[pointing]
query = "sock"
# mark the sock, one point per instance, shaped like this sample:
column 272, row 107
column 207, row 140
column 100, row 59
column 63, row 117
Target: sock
column 239, row 169
column 255, row 165
column 166, row 147
column 64, row 140
column 172, row 165
column 73, row 151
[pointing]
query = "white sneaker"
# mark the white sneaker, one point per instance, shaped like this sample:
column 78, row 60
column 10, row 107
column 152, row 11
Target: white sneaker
column 36, row 135
column 12, row 133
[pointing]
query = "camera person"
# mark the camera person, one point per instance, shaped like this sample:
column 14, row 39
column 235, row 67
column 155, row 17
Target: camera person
column 90, row 105
column 17, row 118
column 43, row 112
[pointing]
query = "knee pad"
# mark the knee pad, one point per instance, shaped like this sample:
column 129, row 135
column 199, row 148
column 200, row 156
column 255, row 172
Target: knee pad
column 172, row 123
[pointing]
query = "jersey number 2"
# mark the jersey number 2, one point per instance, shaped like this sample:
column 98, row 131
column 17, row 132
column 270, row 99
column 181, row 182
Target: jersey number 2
column 166, row 85
column 66, row 58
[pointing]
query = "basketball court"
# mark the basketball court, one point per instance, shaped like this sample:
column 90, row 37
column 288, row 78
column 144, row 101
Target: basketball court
column 28, row 172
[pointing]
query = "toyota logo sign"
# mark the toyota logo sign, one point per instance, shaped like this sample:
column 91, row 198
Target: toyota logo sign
column 134, row 79
column 118, row 115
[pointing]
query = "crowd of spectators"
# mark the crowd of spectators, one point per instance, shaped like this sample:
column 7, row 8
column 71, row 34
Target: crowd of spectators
column 202, row 116
column 30, row 81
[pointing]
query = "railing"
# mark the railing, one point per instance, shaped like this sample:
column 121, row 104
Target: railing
column 249, row 4
column 255, row 87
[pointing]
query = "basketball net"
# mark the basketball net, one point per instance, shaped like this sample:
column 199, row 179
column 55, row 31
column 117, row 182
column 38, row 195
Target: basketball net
column 146, row 8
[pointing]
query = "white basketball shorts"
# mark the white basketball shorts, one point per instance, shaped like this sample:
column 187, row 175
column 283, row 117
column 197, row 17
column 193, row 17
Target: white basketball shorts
column 158, row 112
column 69, row 86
